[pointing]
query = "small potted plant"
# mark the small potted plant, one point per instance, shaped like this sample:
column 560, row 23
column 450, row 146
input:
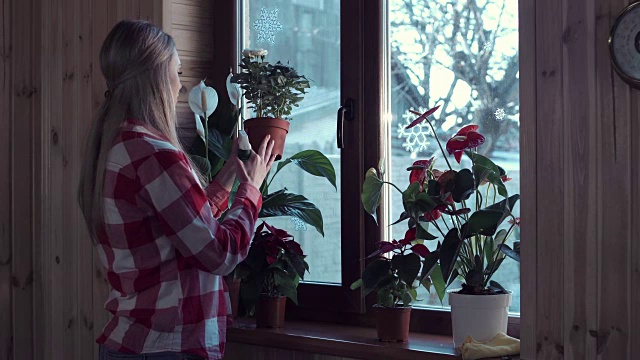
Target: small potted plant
column 394, row 281
column 270, row 274
column 471, row 246
column 273, row 90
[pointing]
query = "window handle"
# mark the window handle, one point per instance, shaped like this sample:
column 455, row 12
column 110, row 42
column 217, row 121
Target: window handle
column 345, row 112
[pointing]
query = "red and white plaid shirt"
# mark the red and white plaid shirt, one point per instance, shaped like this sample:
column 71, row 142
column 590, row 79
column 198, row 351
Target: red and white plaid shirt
column 164, row 251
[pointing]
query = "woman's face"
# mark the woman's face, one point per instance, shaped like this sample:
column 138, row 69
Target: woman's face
column 174, row 76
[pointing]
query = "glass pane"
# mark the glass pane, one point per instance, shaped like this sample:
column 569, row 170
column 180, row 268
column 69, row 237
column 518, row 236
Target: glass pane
column 462, row 55
column 306, row 34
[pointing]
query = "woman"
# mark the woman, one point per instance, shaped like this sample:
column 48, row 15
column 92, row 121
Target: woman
column 153, row 224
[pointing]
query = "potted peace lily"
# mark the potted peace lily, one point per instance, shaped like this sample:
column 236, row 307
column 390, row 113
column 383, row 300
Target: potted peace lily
column 272, row 90
column 271, row 274
column 470, row 245
column 393, row 278
column 216, row 121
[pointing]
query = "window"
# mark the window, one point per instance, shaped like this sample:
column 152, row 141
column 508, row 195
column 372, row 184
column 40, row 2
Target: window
column 463, row 56
column 389, row 56
column 307, row 35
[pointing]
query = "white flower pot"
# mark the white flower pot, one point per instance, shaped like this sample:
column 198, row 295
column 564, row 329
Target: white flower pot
column 481, row 316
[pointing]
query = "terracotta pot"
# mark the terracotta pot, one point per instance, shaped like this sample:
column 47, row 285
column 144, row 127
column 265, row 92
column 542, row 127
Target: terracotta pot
column 479, row 316
column 258, row 128
column 270, row 311
column 393, row 323
column 233, row 286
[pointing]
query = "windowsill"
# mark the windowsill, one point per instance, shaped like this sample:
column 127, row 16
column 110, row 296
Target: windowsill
column 341, row 340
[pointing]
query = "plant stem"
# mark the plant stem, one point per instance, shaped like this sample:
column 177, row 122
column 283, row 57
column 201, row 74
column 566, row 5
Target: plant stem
column 392, row 184
column 433, row 221
column 435, row 135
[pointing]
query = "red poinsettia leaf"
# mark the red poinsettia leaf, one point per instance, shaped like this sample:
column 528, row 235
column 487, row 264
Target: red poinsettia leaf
column 505, row 178
column 474, row 140
column 294, row 247
column 466, row 129
column 271, row 259
column 420, row 250
column 458, row 156
column 272, row 229
column 410, row 234
column 422, row 117
column 384, row 247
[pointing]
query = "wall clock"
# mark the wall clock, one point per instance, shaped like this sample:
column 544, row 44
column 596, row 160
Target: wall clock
column 624, row 45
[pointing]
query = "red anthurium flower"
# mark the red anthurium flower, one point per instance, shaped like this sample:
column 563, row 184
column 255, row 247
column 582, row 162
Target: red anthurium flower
column 409, row 236
column 433, row 215
column 505, row 178
column 420, row 175
column 422, row 117
column 420, row 250
column 465, row 138
column 444, row 178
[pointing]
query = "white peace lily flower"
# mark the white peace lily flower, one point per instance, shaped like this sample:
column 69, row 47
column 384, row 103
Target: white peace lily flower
column 199, row 127
column 234, row 92
column 203, row 100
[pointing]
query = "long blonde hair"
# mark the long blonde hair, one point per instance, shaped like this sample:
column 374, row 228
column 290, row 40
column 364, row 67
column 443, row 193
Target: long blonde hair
column 135, row 62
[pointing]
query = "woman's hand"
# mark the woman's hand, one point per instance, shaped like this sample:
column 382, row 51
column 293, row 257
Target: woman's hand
column 256, row 168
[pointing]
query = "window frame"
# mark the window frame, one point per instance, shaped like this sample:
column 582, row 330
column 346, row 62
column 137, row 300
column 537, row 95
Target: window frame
column 362, row 36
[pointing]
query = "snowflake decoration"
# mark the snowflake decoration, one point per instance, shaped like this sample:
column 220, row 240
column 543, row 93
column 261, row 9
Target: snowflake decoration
column 416, row 138
column 499, row 114
column 298, row 224
column 486, row 47
column 267, row 25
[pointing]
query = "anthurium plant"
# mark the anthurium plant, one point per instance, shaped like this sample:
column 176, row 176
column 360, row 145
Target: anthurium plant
column 216, row 123
column 273, row 90
column 470, row 244
column 274, row 267
column 393, row 278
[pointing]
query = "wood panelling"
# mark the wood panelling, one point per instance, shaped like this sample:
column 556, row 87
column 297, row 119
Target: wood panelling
column 51, row 287
column 581, row 185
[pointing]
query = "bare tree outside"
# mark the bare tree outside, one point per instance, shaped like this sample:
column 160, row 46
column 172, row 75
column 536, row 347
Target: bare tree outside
column 463, row 56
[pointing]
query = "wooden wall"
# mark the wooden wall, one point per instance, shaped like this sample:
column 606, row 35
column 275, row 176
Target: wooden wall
column 51, row 287
column 581, row 186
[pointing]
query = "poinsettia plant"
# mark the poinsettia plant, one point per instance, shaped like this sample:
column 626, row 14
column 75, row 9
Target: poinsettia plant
column 274, row 267
column 470, row 244
column 394, row 278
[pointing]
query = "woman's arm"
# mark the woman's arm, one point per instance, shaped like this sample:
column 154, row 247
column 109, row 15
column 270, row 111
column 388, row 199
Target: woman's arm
column 185, row 215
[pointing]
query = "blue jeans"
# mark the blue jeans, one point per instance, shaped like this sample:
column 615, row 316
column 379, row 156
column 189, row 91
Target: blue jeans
column 110, row 354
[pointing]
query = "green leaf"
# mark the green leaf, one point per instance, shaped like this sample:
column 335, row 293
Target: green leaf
column 388, row 282
column 464, row 185
column 296, row 262
column 356, row 284
column 282, row 203
column 428, row 264
column 404, row 216
column 489, row 248
column 474, row 278
column 371, row 190
column 203, row 165
column 484, row 222
column 314, row 163
column 423, row 233
column 453, row 277
column 505, row 205
column 438, row 282
column 484, row 168
column 449, row 252
column 385, row 298
column 496, row 285
column 406, row 298
column 219, row 144
column 507, row 250
column 375, row 272
column 408, row 267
